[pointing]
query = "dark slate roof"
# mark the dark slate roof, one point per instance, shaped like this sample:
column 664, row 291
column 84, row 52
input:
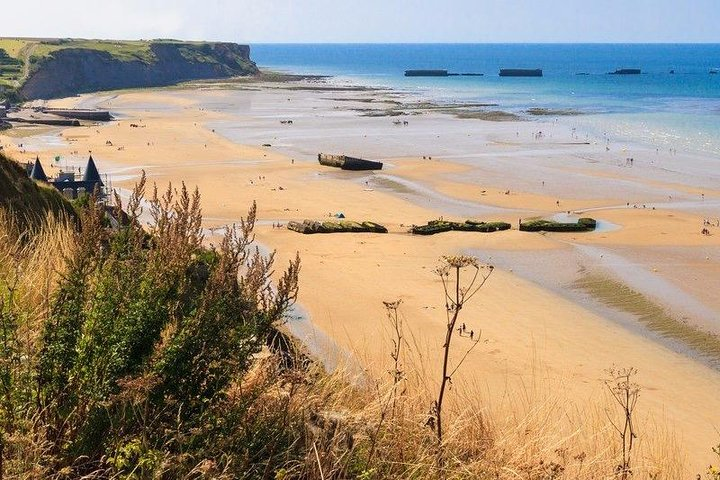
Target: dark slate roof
column 37, row 172
column 91, row 173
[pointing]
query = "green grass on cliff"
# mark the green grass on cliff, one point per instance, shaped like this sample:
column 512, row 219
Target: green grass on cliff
column 13, row 46
column 11, row 67
column 28, row 201
column 21, row 57
column 41, row 48
column 126, row 51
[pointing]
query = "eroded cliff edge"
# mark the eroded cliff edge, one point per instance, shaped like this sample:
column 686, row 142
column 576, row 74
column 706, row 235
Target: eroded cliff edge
column 69, row 71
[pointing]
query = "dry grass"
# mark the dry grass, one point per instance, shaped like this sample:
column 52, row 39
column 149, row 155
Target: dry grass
column 530, row 430
column 31, row 264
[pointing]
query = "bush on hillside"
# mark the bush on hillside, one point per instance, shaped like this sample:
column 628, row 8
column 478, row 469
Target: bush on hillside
column 29, row 201
column 137, row 347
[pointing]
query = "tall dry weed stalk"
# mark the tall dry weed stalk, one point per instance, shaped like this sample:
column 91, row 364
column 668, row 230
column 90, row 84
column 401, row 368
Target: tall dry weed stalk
column 457, row 293
column 626, row 392
column 398, row 340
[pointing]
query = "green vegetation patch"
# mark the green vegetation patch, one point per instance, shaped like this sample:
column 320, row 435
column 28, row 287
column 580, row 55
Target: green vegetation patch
column 29, row 201
column 344, row 226
column 141, row 348
column 198, row 53
column 440, row 226
column 582, row 225
column 10, row 69
column 14, row 46
column 126, row 51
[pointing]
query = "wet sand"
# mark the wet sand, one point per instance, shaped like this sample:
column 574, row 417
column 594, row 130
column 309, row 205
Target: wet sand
column 531, row 312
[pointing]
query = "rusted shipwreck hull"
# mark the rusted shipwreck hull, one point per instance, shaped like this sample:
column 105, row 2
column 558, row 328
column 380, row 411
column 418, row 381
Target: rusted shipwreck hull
column 348, row 163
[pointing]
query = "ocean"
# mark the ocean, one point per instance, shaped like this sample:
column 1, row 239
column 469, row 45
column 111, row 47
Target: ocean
column 678, row 110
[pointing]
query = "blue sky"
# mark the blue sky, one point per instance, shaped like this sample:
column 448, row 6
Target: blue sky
column 261, row 21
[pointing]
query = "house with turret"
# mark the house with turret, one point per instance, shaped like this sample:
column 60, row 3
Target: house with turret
column 68, row 182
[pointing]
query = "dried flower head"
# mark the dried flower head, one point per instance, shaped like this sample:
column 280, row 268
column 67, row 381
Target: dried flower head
column 460, row 261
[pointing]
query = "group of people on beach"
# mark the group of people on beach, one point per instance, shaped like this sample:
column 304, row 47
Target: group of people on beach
column 709, row 223
column 462, row 331
column 260, row 178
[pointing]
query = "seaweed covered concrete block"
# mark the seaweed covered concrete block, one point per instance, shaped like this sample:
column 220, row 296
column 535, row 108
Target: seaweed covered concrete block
column 344, row 226
column 439, row 226
column 582, row 225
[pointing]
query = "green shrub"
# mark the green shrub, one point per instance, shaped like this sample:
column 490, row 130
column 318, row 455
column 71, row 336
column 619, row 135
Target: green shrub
column 145, row 334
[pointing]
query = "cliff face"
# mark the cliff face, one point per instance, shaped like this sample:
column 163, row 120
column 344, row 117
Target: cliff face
column 71, row 71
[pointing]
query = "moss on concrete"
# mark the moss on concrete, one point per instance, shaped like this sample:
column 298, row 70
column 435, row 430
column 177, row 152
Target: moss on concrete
column 440, row 226
column 582, row 225
column 343, row 226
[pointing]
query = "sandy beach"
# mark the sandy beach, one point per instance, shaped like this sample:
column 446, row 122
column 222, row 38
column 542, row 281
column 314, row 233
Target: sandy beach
column 544, row 314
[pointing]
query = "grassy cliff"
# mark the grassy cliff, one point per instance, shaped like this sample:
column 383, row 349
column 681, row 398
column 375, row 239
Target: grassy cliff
column 28, row 202
column 48, row 68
